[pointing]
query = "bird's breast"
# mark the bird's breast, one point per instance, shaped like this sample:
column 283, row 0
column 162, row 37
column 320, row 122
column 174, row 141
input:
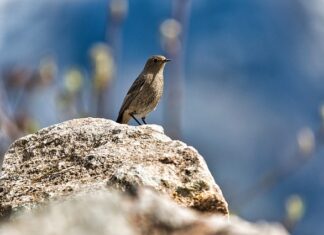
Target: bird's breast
column 150, row 95
column 156, row 85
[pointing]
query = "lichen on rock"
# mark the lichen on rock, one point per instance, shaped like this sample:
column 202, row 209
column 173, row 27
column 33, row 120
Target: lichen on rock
column 84, row 155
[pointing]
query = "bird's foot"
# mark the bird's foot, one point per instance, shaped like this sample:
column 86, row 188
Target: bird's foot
column 132, row 115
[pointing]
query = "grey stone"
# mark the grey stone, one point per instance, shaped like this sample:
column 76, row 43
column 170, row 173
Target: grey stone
column 114, row 213
column 85, row 155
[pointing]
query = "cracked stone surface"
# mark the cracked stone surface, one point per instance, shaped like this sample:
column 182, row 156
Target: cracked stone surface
column 86, row 155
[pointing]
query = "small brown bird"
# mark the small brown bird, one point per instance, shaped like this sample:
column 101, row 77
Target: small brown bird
column 145, row 93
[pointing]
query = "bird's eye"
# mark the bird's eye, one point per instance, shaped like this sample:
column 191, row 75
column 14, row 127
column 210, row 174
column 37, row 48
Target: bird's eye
column 155, row 60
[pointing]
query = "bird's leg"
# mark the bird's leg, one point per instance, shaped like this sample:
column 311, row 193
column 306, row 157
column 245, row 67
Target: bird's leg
column 132, row 115
column 143, row 119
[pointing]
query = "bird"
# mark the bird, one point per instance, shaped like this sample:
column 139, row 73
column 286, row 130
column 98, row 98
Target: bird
column 145, row 93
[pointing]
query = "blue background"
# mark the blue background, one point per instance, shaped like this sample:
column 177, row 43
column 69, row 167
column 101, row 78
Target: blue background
column 253, row 78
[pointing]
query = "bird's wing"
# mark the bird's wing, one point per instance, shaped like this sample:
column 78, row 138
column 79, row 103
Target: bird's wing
column 137, row 85
column 133, row 91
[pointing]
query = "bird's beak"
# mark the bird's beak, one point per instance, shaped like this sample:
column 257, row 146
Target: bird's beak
column 167, row 60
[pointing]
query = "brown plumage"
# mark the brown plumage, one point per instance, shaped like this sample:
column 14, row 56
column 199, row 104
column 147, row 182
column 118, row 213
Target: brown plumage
column 145, row 93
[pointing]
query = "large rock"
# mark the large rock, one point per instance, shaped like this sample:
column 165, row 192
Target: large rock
column 90, row 154
column 139, row 213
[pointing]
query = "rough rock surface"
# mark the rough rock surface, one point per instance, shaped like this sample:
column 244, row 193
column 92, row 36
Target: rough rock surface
column 89, row 154
column 142, row 212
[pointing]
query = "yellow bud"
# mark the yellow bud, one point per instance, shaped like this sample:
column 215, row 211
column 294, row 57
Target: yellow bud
column 103, row 65
column 118, row 9
column 47, row 70
column 306, row 140
column 295, row 208
column 73, row 80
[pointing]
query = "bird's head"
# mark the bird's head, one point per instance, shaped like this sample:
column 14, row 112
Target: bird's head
column 155, row 64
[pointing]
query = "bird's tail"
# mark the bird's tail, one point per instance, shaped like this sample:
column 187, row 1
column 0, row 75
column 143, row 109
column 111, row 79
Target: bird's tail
column 123, row 118
column 120, row 118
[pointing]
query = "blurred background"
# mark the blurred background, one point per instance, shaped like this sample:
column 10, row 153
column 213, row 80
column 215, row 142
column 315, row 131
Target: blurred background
column 245, row 86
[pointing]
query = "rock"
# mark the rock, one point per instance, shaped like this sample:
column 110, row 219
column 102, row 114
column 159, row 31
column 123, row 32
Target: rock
column 143, row 212
column 85, row 155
